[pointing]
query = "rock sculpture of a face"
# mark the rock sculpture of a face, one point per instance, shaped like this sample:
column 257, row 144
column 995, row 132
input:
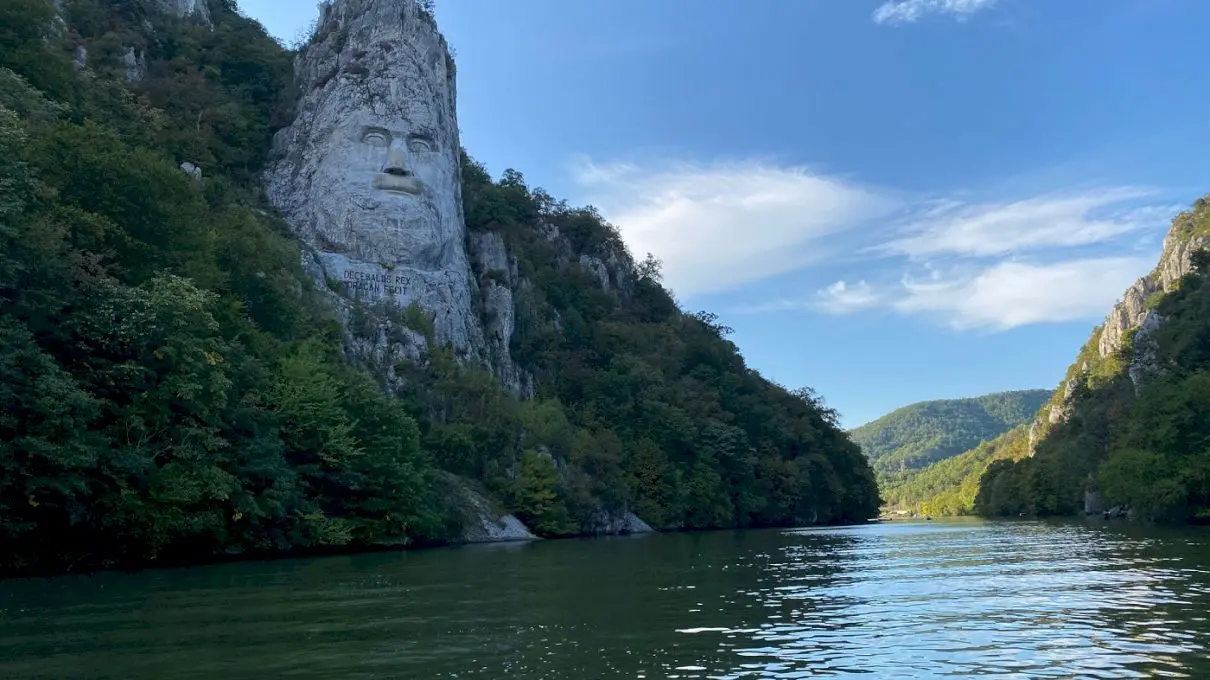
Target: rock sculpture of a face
column 368, row 174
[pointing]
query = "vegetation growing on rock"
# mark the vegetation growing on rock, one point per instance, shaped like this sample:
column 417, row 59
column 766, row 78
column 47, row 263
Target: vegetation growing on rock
column 176, row 390
column 1135, row 438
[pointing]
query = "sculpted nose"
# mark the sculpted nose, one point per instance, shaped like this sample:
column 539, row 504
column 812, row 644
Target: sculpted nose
column 397, row 161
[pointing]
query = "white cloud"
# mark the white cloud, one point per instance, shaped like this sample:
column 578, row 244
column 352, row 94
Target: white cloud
column 721, row 225
column 1047, row 222
column 845, row 298
column 986, row 266
column 1012, row 294
column 911, row 11
column 999, row 297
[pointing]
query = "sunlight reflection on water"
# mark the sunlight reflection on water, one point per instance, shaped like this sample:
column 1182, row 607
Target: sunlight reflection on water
column 912, row 600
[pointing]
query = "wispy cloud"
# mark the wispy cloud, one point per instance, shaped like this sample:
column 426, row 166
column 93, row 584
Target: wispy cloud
column 911, row 11
column 1007, row 295
column 843, row 297
column 991, row 265
column 998, row 297
column 718, row 226
column 1044, row 222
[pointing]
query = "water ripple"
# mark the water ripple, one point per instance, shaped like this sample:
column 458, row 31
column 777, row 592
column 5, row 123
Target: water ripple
column 898, row 600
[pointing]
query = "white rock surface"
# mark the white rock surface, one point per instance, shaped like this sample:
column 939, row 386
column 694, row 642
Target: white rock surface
column 192, row 170
column 1129, row 312
column 135, row 65
column 482, row 524
column 597, row 268
column 499, row 276
column 1143, row 363
column 368, row 174
column 197, row 9
column 624, row 523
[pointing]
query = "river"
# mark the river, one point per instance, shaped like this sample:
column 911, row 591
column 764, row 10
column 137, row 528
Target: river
column 895, row 600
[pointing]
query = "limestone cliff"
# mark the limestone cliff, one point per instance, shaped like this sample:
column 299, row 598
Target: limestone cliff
column 188, row 8
column 1130, row 325
column 368, row 175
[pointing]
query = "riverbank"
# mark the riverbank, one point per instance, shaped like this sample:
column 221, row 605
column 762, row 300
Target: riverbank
column 134, row 567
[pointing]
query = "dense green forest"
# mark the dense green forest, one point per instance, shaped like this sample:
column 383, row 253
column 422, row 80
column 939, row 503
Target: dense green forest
column 175, row 390
column 948, row 487
column 1144, row 446
column 915, row 436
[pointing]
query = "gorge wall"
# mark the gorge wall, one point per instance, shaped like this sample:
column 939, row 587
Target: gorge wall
column 368, row 175
column 1129, row 325
column 1126, row 428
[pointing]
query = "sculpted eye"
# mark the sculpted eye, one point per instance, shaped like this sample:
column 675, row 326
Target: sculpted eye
column 419, row 145
column 376, row 138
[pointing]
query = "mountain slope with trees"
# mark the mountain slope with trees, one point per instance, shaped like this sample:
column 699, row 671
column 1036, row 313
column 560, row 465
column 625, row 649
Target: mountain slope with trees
column 949, row 487
column 915, row 436
column 176, row 391
column 1131, row 428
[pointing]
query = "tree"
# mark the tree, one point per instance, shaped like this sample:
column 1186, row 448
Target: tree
column 651, row 268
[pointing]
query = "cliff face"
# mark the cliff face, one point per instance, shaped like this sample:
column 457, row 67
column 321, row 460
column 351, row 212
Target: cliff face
column 1127, row 429
column 1131, row 322
column 368, row 176
column 1130, row 312
column 188, row 8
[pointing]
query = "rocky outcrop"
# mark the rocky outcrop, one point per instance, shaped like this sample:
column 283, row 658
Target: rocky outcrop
column 195, row 9
column 498, row 277
column 1143, row 365
column 79, row 60
column 192, row 170
column 1132, row 318
column 481, row 522
column 135, row 64
column 1177, row 260
column 1033, row 432
column 1061, row 410
column 597, row 268
column 368, row 176
column 618, row 524
column 1129, row 312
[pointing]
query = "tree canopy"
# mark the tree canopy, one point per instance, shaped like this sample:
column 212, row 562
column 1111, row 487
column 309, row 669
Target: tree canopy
column 176, row 390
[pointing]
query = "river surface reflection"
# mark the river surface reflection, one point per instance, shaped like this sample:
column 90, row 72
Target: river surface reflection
column 895, row 600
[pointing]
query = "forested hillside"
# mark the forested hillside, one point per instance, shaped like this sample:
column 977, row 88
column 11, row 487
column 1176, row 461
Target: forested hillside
column 176, row 390
column 1132, row 429
column 913, row 437
column 948, row 487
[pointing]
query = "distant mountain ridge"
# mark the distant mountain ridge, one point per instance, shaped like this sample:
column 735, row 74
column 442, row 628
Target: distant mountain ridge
column 920, row 434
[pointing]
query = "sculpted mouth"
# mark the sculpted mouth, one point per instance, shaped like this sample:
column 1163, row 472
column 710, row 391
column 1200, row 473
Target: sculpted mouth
column 398, row 183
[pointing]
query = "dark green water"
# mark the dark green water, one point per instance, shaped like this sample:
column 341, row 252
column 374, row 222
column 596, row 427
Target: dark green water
column 897, row 600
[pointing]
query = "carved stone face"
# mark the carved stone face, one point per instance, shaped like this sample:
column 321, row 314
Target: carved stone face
column 387, row 189
column 368, row 173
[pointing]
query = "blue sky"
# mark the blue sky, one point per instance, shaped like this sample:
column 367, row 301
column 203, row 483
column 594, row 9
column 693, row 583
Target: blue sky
column 888, row 201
